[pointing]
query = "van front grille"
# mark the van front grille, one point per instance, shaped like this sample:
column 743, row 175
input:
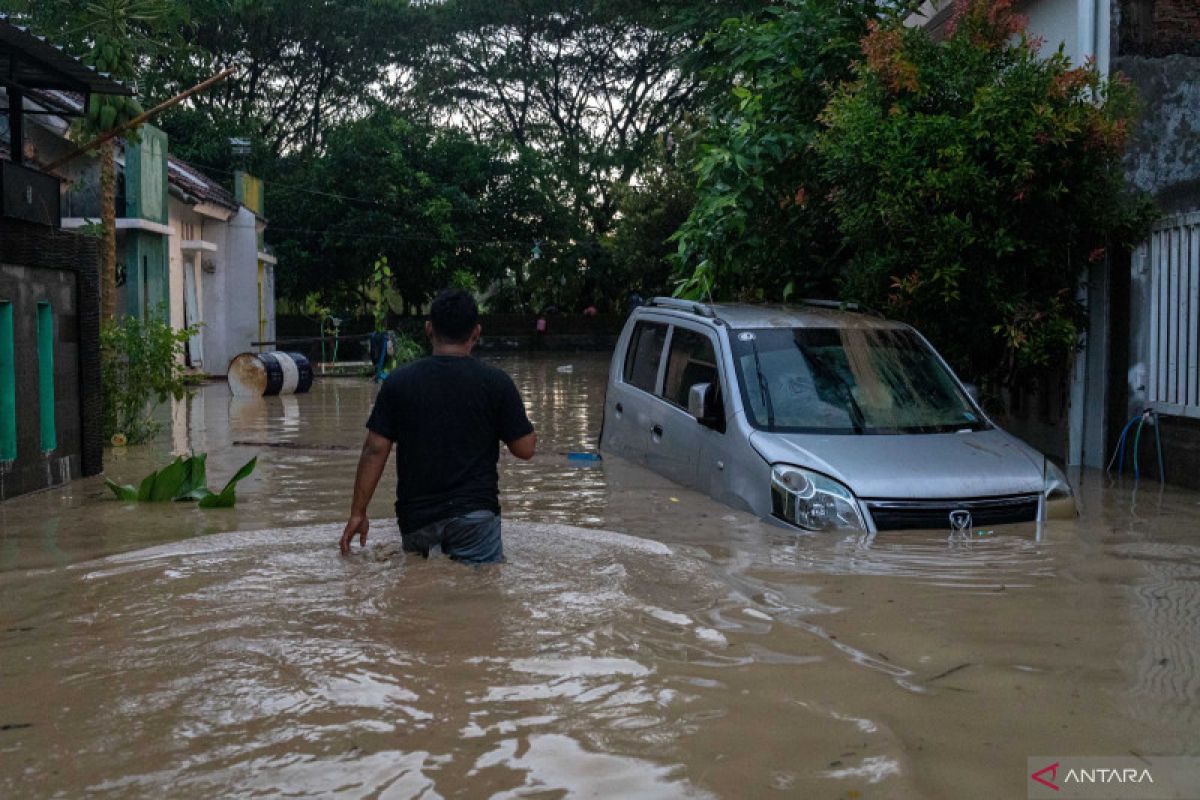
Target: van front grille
column 893, row 515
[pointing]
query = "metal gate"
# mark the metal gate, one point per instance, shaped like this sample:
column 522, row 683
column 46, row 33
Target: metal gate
column 1174, row 385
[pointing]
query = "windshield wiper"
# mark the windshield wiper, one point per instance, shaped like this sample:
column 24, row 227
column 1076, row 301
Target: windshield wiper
column 857, row 418
column 764, row 392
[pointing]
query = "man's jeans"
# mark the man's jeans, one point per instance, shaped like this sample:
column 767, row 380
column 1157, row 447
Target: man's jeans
column 472, row 538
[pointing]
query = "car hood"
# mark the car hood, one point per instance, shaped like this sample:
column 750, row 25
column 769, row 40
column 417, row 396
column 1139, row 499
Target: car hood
column 913, row 466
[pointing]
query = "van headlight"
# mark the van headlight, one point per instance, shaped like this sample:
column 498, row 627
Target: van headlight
column 1060, row 498
column 812, row 501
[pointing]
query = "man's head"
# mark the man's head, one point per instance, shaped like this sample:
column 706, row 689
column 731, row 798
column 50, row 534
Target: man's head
column 454, row 318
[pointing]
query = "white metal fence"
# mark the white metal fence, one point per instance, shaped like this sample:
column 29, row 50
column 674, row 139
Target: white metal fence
column 1174, row 380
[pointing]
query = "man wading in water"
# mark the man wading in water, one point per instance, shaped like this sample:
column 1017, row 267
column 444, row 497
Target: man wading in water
column 448, row 413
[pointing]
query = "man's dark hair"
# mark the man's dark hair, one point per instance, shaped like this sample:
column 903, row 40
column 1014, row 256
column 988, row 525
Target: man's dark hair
column 454, row 315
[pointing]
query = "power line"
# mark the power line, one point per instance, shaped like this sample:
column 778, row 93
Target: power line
column 531, row 243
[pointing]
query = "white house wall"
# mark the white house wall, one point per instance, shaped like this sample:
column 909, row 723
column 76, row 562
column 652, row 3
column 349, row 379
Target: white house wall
column 231, row 294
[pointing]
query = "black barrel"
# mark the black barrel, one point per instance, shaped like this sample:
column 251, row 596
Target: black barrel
column 305, row 380
column 274, row 373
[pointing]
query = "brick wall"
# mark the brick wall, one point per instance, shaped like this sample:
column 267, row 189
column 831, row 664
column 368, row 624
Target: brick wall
column 1159, row 27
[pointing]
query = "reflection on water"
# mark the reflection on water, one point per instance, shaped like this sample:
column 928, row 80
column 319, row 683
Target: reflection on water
column 642, row 641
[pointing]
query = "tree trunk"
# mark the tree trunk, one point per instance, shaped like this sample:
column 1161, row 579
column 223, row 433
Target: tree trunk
column 108, row 223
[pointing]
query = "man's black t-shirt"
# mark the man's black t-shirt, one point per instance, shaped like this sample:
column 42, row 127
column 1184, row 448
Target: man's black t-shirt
column 447, row 416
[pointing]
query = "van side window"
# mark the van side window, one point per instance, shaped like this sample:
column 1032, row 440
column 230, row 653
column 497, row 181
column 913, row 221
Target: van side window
column 644, row 354
column 691, row 361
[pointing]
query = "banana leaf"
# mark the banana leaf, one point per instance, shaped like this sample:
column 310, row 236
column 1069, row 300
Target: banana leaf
column 145, row 487
column 127, row 492
column 227, row 497
column 169, row 481
column 183, row 479
column 195, row 481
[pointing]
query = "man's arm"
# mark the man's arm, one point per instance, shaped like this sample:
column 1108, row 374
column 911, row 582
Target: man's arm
column 371, row 462
column 524, row 447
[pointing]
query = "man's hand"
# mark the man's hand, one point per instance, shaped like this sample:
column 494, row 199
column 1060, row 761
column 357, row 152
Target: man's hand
column 370, row 466
column 358, row 524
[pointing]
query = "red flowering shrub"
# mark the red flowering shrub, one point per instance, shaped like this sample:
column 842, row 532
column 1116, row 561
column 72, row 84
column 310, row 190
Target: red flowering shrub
column 973, row 180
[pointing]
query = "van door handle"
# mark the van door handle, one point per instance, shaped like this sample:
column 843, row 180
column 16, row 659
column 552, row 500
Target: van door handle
column 657, row 430
column 620, row 408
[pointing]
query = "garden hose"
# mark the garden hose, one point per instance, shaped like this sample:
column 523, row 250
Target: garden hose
column 1120, row 447
column 1162, row 474
column 1137, row 440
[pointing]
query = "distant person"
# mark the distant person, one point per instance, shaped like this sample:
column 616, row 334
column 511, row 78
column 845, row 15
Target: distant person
column 635, row 300
column 449, row 412
column 539, row 331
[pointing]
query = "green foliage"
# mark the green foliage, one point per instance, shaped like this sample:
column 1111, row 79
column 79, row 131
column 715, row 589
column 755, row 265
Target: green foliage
column 183, row 479
column 649, row 213
column 141, row 365
column 761, row 221
column 120, row 34
column 973, row 180
column 433, row 203
column 406, row 349
column 381, row 279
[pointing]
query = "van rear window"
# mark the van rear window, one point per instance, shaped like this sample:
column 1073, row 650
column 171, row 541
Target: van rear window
column 644, row 354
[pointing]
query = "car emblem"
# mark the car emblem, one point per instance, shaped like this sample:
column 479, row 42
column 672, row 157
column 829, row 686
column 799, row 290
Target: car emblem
column 960, row 520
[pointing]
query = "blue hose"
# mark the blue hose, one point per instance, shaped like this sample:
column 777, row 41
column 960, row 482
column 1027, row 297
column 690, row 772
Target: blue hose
column 1120, row 448
column 1137, row 440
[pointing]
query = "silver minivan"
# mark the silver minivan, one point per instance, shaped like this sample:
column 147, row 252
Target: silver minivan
column 820, row 418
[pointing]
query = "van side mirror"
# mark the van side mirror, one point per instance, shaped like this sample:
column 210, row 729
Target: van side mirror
column 704, row 405
column 972, row 391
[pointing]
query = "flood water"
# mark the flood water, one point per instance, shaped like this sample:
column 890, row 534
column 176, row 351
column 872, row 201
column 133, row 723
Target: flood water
column 641, row 641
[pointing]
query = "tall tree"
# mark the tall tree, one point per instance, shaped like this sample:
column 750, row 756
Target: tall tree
column 114, row 29
column 590, row 83
column 761, row 227
column 434, row 203
column 305, row 66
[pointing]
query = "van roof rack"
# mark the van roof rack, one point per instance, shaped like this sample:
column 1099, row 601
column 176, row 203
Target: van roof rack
column 838, row 305
column 678, row 303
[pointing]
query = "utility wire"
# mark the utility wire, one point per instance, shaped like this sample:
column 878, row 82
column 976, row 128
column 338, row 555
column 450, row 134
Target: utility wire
column 370, row 201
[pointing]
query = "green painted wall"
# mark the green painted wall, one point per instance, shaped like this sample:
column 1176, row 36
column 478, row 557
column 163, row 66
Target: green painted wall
column 8, row 385
column 147, row 288
column 146, row 176
column 45, row 353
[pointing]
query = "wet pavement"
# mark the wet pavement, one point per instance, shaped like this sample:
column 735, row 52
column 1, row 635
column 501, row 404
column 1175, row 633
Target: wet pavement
column 641, row 641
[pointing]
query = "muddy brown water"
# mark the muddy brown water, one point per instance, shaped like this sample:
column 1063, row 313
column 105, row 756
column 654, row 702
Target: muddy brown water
column 641, row 641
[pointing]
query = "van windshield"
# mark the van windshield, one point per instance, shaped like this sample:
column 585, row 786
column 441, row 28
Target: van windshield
column 847, row 380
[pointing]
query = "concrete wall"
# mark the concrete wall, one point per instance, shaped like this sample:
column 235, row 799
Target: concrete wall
column 43, row 265
column 1158, row 50
column 231, row 291
column 1164, row 155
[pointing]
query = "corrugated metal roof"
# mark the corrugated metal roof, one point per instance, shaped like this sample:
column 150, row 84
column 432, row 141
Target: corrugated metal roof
column 29, row 61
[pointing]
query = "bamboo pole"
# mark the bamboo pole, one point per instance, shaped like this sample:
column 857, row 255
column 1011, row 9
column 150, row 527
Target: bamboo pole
column 140, row 118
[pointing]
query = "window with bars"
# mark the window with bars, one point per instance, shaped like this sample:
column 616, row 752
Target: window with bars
column 1174, row 384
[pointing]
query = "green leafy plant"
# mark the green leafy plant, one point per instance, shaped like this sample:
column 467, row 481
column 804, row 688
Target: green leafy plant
column 182, row 479
column 761, row 219
column 141, row 366
column 381, row 279
column 973, row 180
column 407, row 349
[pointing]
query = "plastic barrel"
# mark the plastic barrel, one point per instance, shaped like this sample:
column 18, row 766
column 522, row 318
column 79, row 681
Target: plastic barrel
column 263, row 374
